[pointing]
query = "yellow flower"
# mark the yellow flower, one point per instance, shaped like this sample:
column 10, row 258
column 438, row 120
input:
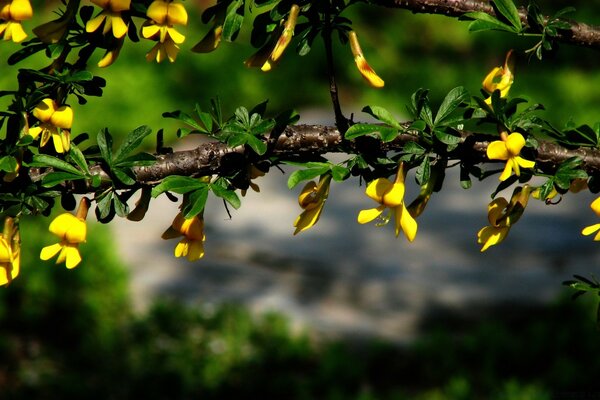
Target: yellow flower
column 71, row 230
column 252, row 173
column 268, row 56
column 110, row 17
column 111, row 54
column 12, row 12
column 192, row 230
column 361, row 63
column 162, row 16
column 588, row 230
column 10, row 252
column 390, row 195
column 55, row 122
column 500, row 78
column 502, row 215
column 312, row 199
column 509, row 148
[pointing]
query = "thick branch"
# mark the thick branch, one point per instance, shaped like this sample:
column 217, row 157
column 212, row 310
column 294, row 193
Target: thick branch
column 305, row 141
column 579, row 34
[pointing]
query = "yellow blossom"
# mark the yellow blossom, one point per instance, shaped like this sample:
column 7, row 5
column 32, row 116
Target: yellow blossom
column 55, row 123
column 361, row 63
column 111, row 54
column 509, row 148
column 588, row 230
column 268, row 56
column 162, row 16
column 10, row 252
column 192, row 230
column 500, row 78
column 110, row 17
column 502, row 215
column 311, row 200
column 12, row 12
column 252, row 173
column 71, row 230
column 390, row 195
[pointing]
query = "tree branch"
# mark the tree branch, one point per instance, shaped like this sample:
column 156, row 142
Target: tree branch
column 305, row 141
column 579, row 34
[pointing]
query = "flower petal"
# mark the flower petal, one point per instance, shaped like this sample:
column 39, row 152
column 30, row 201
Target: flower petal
column 378, row 188
column 50, row 251
column 62, row 223
column 514, row 143
column 497, row 151
column 94, row 23
column 588, row 230
column 308, row 218
column 44, row 110
column 176, row 14
column 62, row 117
column 366, row 216
column 490, row 236
column 72, row 255
column 405, row 221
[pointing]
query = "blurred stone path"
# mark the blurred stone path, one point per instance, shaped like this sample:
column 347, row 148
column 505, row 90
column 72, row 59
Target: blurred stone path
column 344, row 278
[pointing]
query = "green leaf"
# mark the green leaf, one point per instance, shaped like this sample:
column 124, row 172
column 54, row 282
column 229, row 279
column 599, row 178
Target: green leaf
column 55, row 178
column 195, row 203
column 44, row 160
column 183, row 117
column 256, row 144
column 137, row 160
column 233, row 24
column 228, row 195
column 451, row 102
column 125, row 175
column 177, row 184
column 382, row 115
column 79, row 159
column 103, row 205
column 423, row 172
column 304, row 174
column 413, row 148
column 484, row 22
column 447, row 138
column 121, row 207
column 509, row 11
column 417, row 125
column 358, row 130
column 339, row 173
column 387, row 134
column 132, row 141
column 105, row 144
column 8, row 164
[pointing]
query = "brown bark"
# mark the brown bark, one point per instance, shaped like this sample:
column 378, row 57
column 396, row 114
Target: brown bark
column 579, row 34
column 305, row 141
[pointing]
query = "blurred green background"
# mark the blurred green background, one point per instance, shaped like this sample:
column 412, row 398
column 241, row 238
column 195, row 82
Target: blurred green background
column 73, row 334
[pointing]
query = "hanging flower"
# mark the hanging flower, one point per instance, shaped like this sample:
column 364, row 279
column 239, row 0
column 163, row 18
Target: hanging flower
column 55, row 123
column 10, row 252
column 509, row 148
column 192, row 230
column 71, row 230
column 12, row 12
column 269, row 55
column 361, row 63
column 390, row 195
column 110, row 17
column 163, row 15
column 252, row 173
column 111, row 54
column 312, row 199
column 502, row 215
column 500, row 78
column 588, row 230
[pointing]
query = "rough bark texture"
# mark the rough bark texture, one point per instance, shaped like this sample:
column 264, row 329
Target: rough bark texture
column 306, row 140
column 580, row 34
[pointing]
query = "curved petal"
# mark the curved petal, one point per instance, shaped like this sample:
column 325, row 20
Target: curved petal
column 596, row 206
column 171, row 50
column 378, row 188
column 405, row 221
column 153, row 54
column 366, row 216
column 150, row 31
column 58, row 142
column 102, row 3
column 44, row 110
column 35, row 132
column 5, row 251
column 120, row 5
column 490, row 236
column 496, row 210
column 175, row 36
column 395, row 196
column 195, row 251
column 488, row 82
column 62, row 223
column 182, row 248
column 308, row 218
column 50, row 251
column 15, row 31
column 21, row 10
column 514, row 143
column 588, row 230
column 524, row 163
column 497, row 151
column 119, row 27
column 368, row 73
column 176, row 14
column 62, row 117
column 507, row 171
column 157, row 11
column 94, row 24
column 77, row 232
column 72, row 256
